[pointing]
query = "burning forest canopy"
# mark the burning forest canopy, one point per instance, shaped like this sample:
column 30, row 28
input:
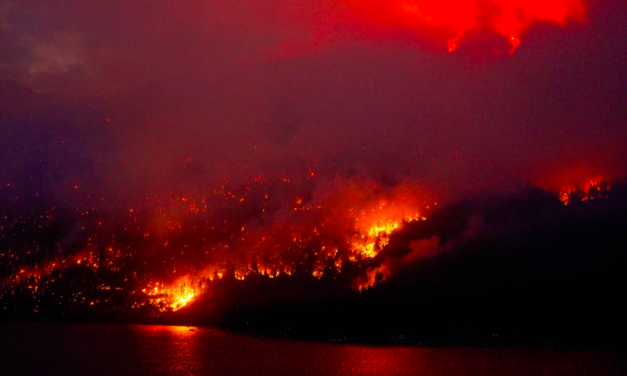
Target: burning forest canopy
column 289, row 158
column 250, row 259
column 168, row 248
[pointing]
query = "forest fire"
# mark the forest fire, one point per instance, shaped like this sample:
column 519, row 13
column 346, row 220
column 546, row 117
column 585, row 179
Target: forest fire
column 593, row 189
column 171, row 297
column 165, row 253
column 457, row 20
column 377, row 235
column 402, row 172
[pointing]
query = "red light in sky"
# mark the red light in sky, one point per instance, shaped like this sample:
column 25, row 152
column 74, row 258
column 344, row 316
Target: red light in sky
column 457, row 19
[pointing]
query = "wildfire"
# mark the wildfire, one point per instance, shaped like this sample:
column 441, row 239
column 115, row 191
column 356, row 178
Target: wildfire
column 170, row 251
column 593, row 189
column 167, row 251
column 370, row 242
column 172, row 297
column 379, row 218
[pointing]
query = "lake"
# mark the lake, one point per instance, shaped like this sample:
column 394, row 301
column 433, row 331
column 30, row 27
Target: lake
column 99, row 349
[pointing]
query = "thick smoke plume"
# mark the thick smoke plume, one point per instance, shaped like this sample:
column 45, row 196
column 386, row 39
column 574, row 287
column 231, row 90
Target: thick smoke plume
column 421, row 249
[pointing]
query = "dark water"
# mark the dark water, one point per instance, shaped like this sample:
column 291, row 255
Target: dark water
column 83, row 349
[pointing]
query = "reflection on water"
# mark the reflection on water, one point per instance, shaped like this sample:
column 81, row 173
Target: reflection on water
column 172, row 350
column 82, row 349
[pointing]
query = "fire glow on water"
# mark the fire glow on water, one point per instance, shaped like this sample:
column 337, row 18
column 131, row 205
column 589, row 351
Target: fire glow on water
column 457, row 20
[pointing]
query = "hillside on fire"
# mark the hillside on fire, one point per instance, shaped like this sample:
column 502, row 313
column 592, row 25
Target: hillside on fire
column 529, row 267
column 406, row 171
column 516, row 270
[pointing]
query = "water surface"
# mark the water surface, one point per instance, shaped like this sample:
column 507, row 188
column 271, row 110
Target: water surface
column 86, row 349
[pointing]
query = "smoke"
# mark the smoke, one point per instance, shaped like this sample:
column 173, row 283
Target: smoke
column 164, row 116
column 422, row 249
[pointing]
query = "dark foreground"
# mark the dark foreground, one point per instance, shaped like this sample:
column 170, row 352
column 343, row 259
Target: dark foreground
column 90, row 349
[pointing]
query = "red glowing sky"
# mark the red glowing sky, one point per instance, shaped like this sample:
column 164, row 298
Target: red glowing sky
column 246, row 87
column 456, row 19
column 440, row 25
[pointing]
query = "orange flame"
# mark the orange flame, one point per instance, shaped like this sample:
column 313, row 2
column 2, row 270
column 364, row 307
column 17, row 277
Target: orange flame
column 183, row 243
column 172, row 297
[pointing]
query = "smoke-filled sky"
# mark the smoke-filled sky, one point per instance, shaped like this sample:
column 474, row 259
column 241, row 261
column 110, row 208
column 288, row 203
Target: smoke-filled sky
column 178, row 94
